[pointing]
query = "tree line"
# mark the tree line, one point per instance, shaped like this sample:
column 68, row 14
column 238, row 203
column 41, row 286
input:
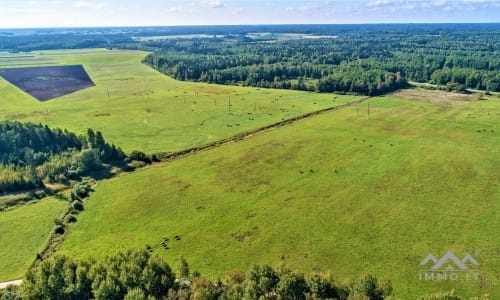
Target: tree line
column 359, row 63
column 33, row 153
column 141, row 275
column 459, row 56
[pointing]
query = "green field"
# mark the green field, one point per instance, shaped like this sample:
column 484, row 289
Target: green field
column 23, row 233
column 135, row 107
column 145, row 110
column 341, row 192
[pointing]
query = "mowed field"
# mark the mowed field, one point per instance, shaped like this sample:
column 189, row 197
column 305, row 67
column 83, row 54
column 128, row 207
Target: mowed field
column 137, row 108
column 23, row 233
column 343, row 193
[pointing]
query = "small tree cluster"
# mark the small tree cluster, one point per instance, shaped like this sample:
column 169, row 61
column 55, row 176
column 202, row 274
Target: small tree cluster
column 31, row 154
column 127, row 275
column 140, row 275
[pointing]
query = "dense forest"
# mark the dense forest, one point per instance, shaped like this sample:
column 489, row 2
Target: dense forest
column 361, row 59
column 141, row 275
column 49, row 40
column 33, row 153
column 361, row 64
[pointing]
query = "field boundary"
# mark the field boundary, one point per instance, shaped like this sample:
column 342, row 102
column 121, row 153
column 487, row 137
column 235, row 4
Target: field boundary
column 171, row 156
column 54, row 241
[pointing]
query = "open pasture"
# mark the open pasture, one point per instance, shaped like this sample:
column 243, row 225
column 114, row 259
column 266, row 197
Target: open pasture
column 23, row 233
column 440, row 97
column 15, row 60
column 342, row 192
column 137, row 108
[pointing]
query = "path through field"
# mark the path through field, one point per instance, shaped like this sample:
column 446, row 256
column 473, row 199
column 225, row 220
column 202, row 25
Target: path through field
column 7, row 283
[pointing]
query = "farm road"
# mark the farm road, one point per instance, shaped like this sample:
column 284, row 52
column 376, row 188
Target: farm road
column 7, row 283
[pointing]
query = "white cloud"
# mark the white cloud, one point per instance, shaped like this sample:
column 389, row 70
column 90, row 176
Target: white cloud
column 460, row 3
column 311, row 7
column 88, row 4
column 443, row 5
column 378, row 3
column 214, row 3
column 174, row 9
column 61, row 13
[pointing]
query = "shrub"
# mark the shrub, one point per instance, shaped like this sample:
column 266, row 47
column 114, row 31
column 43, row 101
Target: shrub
column 140, row 156
column 368, row 285
column 10, row 293
column 292, row 286
column 264, row 278
column 70, row 219
column 89, row 160
column 59, row 229
column 58, row 277
column 77, row 205
column 322, row 288
column 80, row 190
column 203, row 289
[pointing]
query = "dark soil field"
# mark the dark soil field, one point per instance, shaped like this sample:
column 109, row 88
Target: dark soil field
column 45, row 83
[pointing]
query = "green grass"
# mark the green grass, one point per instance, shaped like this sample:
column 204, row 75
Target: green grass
column 341, row 193
column 145, row 110
column 148, row 111
column 23, row 233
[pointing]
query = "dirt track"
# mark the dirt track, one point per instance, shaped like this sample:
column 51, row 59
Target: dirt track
column 7, row 283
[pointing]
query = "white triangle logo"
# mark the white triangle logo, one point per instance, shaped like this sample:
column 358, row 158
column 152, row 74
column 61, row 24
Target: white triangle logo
column 449, row 262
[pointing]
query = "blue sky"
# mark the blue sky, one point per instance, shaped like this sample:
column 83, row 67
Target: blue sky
column 67, row 13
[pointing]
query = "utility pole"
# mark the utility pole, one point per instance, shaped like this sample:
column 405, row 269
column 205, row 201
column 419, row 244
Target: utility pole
column 229, row 105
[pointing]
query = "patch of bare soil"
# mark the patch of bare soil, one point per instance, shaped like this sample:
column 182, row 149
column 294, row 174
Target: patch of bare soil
column 45, row 83
column 4, row 285
column 438, row 97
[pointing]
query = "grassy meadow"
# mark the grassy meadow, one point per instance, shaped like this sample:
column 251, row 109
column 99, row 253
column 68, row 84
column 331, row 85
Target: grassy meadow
column 342, row 192
column 137, row 108
column 23, row 233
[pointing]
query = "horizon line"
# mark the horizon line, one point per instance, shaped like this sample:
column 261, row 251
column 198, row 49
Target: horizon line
column 255, row 24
